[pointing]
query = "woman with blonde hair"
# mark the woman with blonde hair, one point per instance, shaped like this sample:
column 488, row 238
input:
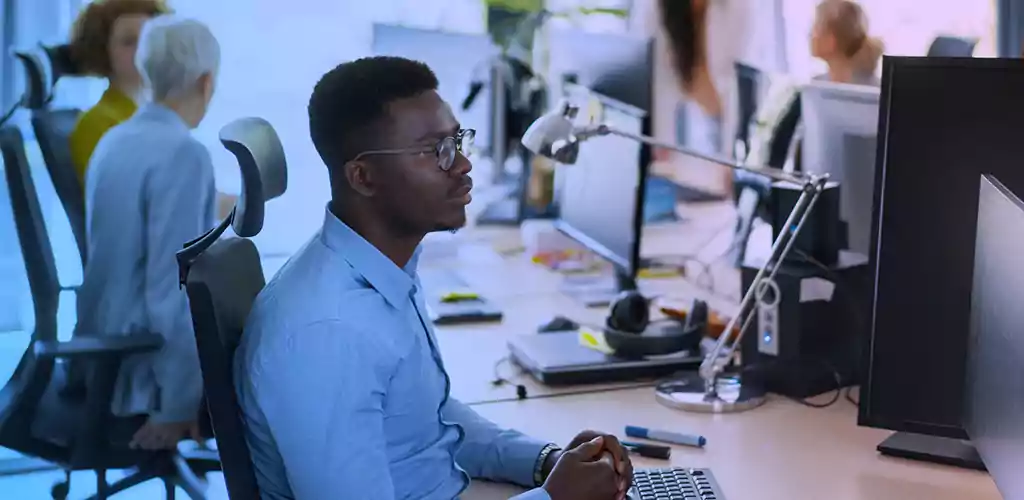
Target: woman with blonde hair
column 840, row 38
column 103, row 42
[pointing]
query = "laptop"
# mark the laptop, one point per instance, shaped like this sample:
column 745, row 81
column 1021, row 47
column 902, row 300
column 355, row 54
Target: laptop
column 557, row 358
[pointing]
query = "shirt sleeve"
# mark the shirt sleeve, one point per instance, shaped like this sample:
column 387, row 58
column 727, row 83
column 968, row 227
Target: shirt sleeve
column 178, row 205
column 491, row 452
column 322, row 394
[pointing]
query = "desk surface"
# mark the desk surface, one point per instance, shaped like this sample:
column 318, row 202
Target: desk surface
column 780, row 451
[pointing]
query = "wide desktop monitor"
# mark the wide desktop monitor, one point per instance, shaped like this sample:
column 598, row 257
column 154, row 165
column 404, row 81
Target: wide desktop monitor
column 601, row 196
column 840, row 128
column 942, row 124
column 995, row 373
column 456, row 58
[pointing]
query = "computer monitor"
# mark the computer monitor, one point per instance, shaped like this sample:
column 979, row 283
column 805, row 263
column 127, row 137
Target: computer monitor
column 456, row 59
column 601, row 196
column 942, row 124
column 618, row 66
column 995, row 375
column 840, row 128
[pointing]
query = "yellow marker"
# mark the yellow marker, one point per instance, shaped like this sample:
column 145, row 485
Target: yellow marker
column 459, row 297
column 594, row 340
column 659, row 272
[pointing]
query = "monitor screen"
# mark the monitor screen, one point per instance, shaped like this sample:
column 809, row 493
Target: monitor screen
column 840, row 127
column 943, row 123
column 601, row 196
column 617, row 66
column 995, row 375
column 454, row 73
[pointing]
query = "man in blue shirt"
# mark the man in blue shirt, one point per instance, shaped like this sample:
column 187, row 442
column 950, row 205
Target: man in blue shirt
column 341, row 383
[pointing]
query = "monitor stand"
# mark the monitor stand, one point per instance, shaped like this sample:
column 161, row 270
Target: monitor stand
column 597, row 291
column 940, row 450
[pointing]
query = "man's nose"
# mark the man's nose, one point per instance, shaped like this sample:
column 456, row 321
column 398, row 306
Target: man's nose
column 462, row 165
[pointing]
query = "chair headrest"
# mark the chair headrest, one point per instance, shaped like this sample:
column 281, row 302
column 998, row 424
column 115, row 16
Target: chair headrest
column 44, row 65
column 260, row 157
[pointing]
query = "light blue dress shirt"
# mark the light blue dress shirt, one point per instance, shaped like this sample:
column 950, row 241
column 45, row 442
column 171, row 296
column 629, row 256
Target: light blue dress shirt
column 149, row 190
column 344, row 392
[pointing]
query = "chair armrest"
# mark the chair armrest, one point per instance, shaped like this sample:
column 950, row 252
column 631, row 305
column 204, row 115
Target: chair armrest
column 91, row 347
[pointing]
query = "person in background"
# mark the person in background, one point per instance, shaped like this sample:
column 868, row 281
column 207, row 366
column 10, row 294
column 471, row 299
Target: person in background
column 840, row 38
column 149, row 189
column 342, row 386
column 103, row 43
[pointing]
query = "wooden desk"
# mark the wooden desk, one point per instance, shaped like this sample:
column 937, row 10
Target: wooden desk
column 780, row 451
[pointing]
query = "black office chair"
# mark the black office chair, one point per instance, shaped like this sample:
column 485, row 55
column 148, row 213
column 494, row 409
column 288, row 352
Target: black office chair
column 43, row 67
column 222, row 279
column 37, row 418
column 951, row 46
column 53, row 130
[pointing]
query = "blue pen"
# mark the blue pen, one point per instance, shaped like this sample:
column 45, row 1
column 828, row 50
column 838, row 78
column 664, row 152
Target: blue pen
column 665, row 436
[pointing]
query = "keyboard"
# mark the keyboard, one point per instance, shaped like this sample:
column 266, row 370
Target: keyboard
column 674, row 483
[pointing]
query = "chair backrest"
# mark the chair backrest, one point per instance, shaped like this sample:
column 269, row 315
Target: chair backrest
column 22, row 392
column 53, row 129
column 222, row 282
column 951, row 46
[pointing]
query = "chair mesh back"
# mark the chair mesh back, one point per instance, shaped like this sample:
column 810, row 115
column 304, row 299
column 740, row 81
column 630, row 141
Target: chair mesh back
column 32, row 236
column 785, row 132
column 22, row 392
column 53, row 129
column 951, row 46
column 222, row 285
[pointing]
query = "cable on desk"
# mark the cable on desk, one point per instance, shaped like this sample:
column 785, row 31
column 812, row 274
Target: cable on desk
column 849, row 397
column 499, row 381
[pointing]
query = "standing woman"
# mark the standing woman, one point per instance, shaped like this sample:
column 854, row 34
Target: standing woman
column 840, row 39
column 103, row 43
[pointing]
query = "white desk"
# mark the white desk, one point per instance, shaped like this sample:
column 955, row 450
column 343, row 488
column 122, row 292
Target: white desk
column 780, row 451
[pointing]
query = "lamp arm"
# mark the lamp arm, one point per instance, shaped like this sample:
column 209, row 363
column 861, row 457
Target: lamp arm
column 715, row 362
column 587, row 132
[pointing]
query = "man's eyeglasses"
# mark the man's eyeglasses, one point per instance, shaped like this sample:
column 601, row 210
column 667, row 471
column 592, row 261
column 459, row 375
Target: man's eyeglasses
column 446, row 149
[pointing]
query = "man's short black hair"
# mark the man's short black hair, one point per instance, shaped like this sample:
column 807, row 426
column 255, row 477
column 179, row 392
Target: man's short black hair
column 352, row 98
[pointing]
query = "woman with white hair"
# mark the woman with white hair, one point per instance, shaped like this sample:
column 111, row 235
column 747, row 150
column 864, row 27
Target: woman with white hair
column 149, row 189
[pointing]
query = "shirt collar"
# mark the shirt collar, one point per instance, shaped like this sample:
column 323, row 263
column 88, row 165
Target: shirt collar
column 394, row 283
column 160, row 113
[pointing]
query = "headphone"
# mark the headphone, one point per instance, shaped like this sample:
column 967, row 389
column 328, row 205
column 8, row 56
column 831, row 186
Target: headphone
column 629, row 313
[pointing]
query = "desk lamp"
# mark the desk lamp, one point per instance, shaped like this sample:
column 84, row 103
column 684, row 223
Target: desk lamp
column 711, row 390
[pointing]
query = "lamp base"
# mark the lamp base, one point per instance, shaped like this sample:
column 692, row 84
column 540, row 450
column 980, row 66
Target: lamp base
column 687, row 393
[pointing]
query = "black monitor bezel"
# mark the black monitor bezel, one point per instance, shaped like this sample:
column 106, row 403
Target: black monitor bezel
column 890, row 69
column 627, row 267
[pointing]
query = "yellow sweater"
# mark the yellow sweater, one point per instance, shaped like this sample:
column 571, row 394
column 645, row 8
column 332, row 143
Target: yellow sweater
column 112, row 109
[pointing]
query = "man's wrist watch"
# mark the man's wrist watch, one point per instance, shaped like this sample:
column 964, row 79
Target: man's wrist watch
column 538, row 467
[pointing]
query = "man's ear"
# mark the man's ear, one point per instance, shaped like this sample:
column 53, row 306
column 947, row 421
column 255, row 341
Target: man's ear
column 359, row 176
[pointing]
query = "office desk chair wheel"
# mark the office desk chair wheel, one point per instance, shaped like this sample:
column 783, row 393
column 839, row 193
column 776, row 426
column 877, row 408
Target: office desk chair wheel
column 59, row 491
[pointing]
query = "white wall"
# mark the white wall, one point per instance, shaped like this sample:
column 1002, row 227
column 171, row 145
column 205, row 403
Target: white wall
column 273, row 54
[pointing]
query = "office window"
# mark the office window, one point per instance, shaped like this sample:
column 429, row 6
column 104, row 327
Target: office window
column 907, row 27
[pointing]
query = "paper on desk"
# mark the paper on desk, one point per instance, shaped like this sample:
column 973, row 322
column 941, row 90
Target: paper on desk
column 815, row 289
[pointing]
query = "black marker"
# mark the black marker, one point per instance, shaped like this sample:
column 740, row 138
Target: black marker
column 648, row 450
